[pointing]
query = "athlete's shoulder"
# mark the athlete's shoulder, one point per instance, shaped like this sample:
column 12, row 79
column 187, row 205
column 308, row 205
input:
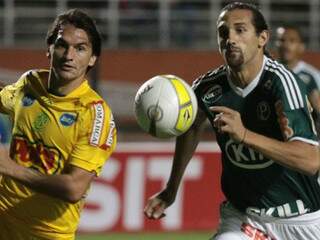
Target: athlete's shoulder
column 210, row 76
column 284, row 84
column 20, row 83
column 37, row 78
column 90, row 99
column 90, row 95
column 98, row 118
column 308, row 74
column 278, row 72
column 308, row 68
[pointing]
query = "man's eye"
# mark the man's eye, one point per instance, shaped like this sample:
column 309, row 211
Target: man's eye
column 80, row 48
column 240, row 30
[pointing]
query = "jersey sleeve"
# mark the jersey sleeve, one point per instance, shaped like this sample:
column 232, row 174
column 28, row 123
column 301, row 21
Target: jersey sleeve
column 309, row 80
column 197, row 87
column 8, row 96
column 293, row 109
column 97, row 138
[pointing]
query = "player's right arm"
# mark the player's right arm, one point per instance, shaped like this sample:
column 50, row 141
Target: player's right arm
column 185, row 147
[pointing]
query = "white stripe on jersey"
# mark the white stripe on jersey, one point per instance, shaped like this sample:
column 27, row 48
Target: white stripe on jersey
column 284, row 85
column 294, row 82
column 289, row 83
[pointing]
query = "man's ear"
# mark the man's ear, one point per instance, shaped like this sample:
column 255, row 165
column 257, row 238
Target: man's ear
column 263, row 38
column 92, row 60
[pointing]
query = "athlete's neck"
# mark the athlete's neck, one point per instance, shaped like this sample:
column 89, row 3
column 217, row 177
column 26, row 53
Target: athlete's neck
column 246, row 73
column 61, row 87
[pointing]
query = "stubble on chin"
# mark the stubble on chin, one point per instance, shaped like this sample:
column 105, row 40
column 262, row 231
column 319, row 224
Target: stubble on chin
column 235, row 62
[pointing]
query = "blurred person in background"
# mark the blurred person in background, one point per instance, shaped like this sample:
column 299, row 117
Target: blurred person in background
column 5, row 126
column 290, row 49
column 270, row 155
column 5, row 129
column 63, row 132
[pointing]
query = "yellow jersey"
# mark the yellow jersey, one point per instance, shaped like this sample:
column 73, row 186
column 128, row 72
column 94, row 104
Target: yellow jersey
column 50, row 132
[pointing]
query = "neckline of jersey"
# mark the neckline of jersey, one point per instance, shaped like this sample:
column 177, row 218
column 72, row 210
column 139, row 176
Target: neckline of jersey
column 243, row 92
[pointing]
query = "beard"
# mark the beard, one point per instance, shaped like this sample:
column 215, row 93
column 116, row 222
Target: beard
column 234, row 59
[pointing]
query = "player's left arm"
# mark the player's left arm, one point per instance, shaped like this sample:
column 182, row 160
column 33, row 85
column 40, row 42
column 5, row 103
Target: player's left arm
column 298, row 155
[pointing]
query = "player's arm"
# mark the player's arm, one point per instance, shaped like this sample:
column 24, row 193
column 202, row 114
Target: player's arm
column 69, row 186
column 297, row 155
column 314, row 98
column 185, row 147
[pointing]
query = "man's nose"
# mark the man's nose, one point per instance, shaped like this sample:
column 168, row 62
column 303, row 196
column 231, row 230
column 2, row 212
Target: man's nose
column 69, row 53
column 231, row 38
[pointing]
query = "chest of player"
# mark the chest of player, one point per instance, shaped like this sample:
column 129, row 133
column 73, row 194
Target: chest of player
column 45, row 122
column 257, row 108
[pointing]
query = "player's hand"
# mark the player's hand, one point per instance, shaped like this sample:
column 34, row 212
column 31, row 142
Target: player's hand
column 157, row 204
column 229, row 121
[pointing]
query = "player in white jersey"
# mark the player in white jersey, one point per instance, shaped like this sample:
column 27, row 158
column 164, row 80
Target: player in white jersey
column 290, row 48
column 269, row 149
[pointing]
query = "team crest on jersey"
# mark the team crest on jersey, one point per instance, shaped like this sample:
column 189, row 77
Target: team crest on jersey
column 245, row 157
column 67, row 119
column 213, row 94
column 40, row 122
column 268, row 84
column 27, row 100
column 263, row 111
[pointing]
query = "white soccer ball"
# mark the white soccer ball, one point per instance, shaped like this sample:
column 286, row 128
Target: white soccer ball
column 165, row 106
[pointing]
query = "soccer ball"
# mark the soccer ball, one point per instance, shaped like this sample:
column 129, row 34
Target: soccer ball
column 165, row 106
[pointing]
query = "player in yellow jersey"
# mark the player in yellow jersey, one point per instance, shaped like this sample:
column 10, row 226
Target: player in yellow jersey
column 63, row 132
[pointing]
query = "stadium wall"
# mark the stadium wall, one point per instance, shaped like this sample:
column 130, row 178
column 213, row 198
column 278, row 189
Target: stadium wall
column 133, row 65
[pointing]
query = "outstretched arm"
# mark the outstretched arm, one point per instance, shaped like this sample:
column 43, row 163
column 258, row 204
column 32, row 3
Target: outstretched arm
column 297, row 155
column 185, row 147
column 70, row 185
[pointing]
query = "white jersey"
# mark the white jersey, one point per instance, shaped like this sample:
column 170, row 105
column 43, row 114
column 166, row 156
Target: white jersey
column 308, row 74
